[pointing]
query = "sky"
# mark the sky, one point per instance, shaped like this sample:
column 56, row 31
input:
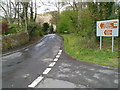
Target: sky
column 45, row 8
column 40, row 7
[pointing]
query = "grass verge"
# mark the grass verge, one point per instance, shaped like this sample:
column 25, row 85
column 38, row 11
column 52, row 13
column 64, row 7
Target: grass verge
column 74, row 46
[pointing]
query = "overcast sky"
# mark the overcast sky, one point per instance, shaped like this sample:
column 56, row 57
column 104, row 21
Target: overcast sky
column 44, row 8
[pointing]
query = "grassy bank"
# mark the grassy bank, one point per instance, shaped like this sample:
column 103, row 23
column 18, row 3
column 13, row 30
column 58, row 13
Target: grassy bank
column 74, row 46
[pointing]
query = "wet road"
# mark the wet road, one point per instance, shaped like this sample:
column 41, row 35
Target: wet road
column 70, row 73
column 24, row 67
column 21, row 68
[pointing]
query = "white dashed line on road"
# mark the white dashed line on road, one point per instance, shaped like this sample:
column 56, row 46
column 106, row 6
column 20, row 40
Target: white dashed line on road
column 57, row 56
column 35, row 82
column 52, row 64
column 47, row 71
column 60, row 51
column 56, row 59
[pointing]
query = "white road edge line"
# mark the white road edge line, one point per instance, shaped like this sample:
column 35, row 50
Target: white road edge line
column 35, row 82
column 47, row 71
column 52, row 64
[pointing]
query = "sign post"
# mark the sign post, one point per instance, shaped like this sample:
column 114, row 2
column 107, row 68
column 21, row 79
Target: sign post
column 108, row 28
column 100, row 42
column 112, row 43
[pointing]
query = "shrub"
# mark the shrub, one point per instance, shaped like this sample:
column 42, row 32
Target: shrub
column 13, row 28
column 35, row 34
column 86, row 23
column 32, row 26
column 68, row 22
column 14, row 40
column 72, row 16
column 4, row 27
column 34, row 30
column 64, row 25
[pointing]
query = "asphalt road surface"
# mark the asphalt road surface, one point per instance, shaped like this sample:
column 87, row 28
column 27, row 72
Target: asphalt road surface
column 46, row 65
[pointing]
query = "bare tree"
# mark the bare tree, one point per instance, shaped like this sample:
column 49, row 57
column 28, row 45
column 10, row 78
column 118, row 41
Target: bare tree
column 5, row 8
column 35, row 11
column 31, row 11
column 25, row 13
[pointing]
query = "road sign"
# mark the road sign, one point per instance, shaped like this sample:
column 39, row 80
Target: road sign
column 108, row 27
column 107, row 32
column 110, row 24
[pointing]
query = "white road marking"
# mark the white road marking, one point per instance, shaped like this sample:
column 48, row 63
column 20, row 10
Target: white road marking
column 60, row 51
column 26, row 49
column 47, row 71
column 52, row 64
column 57, row 56
column 56, row 59
column 35, row 82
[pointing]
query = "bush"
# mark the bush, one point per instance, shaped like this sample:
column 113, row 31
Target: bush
column 35, row 34
column 64, row 25
column 13, row 28
column 14, row 40
column 86, row 23
column 34, row 30
column 4, row 27
column 32, row 26
column 68, row 22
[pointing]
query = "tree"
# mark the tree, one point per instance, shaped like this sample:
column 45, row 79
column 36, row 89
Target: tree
column 35, row 11
column 73, row 4
column 68, row 21
column 25, row 13
column 105, row 9
column 57, row 6
column 5, row 8
column 32, row 12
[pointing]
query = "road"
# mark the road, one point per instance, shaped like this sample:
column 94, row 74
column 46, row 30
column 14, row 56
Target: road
column 46, row 65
